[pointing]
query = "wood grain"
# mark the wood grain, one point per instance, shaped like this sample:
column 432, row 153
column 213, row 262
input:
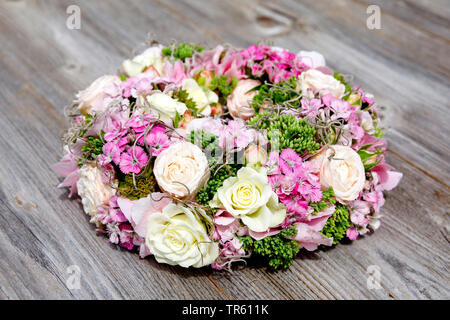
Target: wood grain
column 43, row 63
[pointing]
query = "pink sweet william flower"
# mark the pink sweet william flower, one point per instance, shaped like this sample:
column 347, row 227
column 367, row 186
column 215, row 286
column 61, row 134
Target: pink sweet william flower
column 289, row 160
column 358, row 211
column 133, row 160
column 229, row 252
column 111, row 152
column 126, row 236
column 352, row 233
column 158, row 141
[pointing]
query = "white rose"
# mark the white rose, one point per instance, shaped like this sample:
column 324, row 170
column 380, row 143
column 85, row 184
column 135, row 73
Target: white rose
column 181, row 170
column 152, row 57
column 203, row 97
column 92, row 190
column 250, row 197
column 165, row 106
column 342, row 169
column 91, row 99
column 238, row 101
column 178, row 237
column 316, row 80
column 312, row 59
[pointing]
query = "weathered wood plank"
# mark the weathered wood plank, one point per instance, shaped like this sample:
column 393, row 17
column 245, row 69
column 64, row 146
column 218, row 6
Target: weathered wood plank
column 42, row 63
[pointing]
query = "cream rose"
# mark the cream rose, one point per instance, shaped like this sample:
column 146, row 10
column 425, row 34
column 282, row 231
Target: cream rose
column 316, row 80
column 250, row 198
column 152, row 57
column 165, row 106
column 181, row 170
column 178, row 237
column 91, row 99
column 92, row 190
column 342, row 169
column 202, row 97
column 238, row 101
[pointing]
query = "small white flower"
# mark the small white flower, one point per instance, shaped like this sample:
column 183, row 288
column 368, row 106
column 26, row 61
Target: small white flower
column 165, row 106
column 152, row 57
column 203, row 97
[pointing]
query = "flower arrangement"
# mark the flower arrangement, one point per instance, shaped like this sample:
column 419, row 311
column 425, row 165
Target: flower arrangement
column 207, row 157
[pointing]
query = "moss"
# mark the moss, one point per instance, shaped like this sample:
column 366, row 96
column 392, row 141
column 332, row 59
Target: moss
column 206, row 194
column 287, row 131
column 337, row 224
column 145, row 185
column 182, row 51
column 278, row 250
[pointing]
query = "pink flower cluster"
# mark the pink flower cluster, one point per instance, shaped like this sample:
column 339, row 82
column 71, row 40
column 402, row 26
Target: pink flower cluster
column 295, row 183
column 277, row 64
column 117, row 227
column 125, row 144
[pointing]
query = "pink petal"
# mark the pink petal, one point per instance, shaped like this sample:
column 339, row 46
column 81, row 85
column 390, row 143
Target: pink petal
column 125, row 206
column 318, row 221
column 311, row 239
column 144, row 208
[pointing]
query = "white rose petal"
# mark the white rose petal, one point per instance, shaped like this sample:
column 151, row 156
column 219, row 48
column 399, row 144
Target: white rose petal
column 178, row 237
column 316, row 80
column 182, row 169
column 151, row 57
column 165, row 106
column 202, row 97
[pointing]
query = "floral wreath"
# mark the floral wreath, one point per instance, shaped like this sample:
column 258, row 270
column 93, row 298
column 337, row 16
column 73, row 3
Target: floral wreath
column 207, row 157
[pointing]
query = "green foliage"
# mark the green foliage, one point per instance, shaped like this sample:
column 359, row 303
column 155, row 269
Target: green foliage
column 287, row 131
column 223, row 84
column 203, row 138
column 208, row 142
column 182, row 51
column 337, row 224
column 279, row 250
column 91, row 149
column 327, row 199
column 284, row 91
column 206, row 194
column 183, row 96
column 145, row 184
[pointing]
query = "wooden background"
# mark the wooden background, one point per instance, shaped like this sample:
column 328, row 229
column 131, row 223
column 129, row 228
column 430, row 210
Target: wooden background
column 43, row 63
